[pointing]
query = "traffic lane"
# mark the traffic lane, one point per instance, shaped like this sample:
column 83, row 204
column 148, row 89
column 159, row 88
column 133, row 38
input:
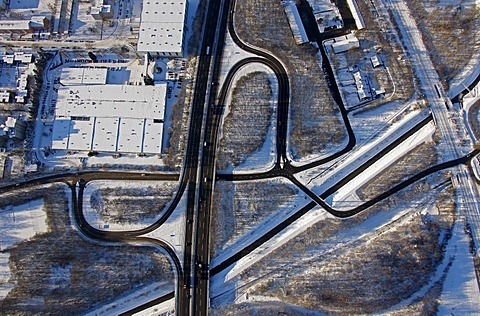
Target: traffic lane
column 119, row 237
column 194, row 138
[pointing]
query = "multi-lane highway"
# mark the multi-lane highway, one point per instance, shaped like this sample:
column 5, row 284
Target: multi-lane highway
column 199, row 175
column 206, row 182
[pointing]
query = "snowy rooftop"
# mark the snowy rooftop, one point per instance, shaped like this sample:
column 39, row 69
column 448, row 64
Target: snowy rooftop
column 112, row 118
column 81, row 76
column 20, row 25
column 126, row 101
column 162, row 26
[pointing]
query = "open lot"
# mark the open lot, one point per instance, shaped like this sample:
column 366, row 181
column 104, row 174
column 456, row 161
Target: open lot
column 316, row 126
column 349, row 266
column 116, row 203
column 451, row 31
column 246, row 124
column 53, row 271
column 239, row 208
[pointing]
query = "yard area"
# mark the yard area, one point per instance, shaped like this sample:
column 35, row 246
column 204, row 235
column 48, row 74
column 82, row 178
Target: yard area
column 451, row 31
column 246, row 124
column 316, row 125
column 57, row 272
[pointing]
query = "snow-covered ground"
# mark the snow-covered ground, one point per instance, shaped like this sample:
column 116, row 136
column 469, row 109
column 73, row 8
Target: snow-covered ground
column 320, row 179
column 138, row 298
column 94, row 218
column 217, row 283
column 172, row 231
column 18, row 223
column 166, row 308
column 255, row 232
column 264, row 158
column 461, row 294
column 225, row 284
column 22, row 222
column 232, row 54
column 472, row 70
column 346, row 197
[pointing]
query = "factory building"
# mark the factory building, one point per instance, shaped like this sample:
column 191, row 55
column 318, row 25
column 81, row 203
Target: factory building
column 162, row 27
column 108, row 118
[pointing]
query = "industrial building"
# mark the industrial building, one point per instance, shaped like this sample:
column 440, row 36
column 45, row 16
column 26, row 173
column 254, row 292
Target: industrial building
column 83, row 76
column 109, row 118
column 343, row 43
column 162, row 27
column 296, row 24
column 36, row 23
column 102, row 12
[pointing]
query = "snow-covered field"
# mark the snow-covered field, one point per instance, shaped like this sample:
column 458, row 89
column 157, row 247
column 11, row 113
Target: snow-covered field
column 149, row 190
column 368, row 144
column 226, row 283
column 138, row 298
column 461, row 294
column 267, row 223
column 22, row 222
column 18, row 223
column 173, row 230
column 264, row 158
column 347, row 198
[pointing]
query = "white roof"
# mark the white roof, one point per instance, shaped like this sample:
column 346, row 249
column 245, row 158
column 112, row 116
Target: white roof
column 126, row 101
column 61, row 131
column 296, row 24
column 4, row 96
column 8, row 59
column 375, row 61
column 22, row 57
column 81, row 133
column 131, row 135
column 82, row 76
column 123, row 118
column 106, row 131
column 162, row 26
column 19, row 25
column 10, row 122
column 152, row 141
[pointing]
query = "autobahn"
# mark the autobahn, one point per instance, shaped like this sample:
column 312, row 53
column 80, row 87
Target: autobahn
column 189, row 177
column 201, row 256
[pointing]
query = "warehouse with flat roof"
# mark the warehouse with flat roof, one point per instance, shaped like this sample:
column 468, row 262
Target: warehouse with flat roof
column 110, row 118
column 83, row 76
column 162, row 27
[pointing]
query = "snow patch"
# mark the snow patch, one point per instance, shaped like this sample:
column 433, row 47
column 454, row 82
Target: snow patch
column 18, row 223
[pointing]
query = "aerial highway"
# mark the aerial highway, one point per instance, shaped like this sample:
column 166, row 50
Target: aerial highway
column 201, row 254
column 288, row 170
column 199, row 174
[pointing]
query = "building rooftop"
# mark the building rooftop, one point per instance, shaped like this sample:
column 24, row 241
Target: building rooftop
column 19, row 25
column 162, row 26
column 83, row 76
column 111, row 118
column 127, row 101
